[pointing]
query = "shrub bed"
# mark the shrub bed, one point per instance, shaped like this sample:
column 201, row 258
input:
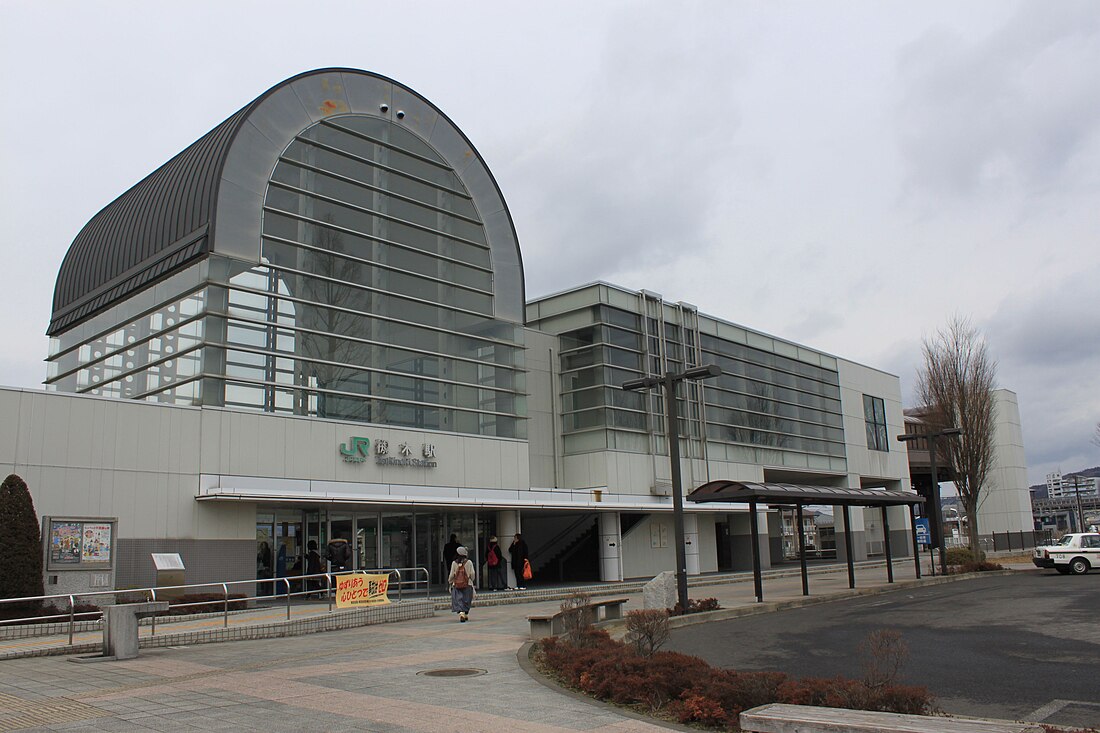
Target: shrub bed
column 686, row 689
column 974, row 567
column 695, row 606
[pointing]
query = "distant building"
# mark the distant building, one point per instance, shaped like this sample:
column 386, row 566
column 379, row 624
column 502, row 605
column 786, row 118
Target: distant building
column 1059, row 487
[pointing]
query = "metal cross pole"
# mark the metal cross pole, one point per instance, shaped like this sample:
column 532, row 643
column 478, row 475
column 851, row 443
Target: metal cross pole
column 848, row 546
column 754, row 533
column 886, row 544
column 802, row 549
column 916, row 546
column 937, row 512
column 668, row 383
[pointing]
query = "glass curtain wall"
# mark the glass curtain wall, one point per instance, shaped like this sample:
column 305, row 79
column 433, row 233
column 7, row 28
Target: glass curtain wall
column 374, row 301
column 764, row 408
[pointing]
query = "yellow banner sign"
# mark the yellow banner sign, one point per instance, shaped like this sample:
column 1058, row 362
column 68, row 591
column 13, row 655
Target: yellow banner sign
column 361, row 589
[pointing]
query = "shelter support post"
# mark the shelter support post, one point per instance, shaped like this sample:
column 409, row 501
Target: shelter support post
column 802, row 549
column 757, row 581
column 886, row 544
column 848, row 546
column 916, row 547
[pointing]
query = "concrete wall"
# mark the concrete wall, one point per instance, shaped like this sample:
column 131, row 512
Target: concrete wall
column 872, row 467
column 543, row 407
column 1007, row 503
column 642, row 560
column 146, row 463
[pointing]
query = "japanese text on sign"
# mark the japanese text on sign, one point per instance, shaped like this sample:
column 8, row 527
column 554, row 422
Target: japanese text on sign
column 361, row 589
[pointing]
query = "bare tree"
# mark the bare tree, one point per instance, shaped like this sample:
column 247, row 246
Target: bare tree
column 955, row 385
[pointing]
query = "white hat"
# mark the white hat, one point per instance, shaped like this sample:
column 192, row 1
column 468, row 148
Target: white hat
column 463, row 551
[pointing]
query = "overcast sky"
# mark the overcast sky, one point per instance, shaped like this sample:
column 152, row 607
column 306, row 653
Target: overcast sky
column 845, row 175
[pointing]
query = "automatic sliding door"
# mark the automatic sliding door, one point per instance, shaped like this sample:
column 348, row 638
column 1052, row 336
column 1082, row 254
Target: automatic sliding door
column 397, row 532
column 366, row 542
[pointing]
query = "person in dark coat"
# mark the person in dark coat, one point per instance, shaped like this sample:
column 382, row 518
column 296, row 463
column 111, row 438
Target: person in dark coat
column 518, row 552
column 314, row 566
column 450, row 550
column 338, row 553
column 494, row 560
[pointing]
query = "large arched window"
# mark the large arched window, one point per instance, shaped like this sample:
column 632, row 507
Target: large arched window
column 378, row 303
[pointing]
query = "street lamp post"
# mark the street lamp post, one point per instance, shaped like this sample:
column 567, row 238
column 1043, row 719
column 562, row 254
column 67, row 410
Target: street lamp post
column 937, row 512
column 668, row 382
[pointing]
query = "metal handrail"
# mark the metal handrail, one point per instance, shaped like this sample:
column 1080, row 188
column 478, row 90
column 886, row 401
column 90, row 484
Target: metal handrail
column 151, row 593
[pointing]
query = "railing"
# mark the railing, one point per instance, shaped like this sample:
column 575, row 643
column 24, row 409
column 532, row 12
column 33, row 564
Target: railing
column 285, row 588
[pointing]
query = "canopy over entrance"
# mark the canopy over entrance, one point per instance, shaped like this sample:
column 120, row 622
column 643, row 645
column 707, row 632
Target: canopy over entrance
column 799, row 495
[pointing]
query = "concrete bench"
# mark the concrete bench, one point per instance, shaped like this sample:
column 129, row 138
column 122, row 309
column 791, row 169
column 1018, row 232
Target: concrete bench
column 120, row 627
column 777, row 718
column 552, row 625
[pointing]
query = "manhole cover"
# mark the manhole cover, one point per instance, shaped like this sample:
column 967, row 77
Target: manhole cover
column 451, row 672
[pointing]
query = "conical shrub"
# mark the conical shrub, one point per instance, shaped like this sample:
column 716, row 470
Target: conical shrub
column 20, row 546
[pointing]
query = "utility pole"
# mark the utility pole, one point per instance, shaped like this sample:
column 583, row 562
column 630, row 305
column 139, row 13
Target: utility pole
column 937, row 511
column 1080, row 511
column 668, row 383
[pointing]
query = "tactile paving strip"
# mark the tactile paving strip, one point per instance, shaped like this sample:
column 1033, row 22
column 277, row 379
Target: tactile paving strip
column 17, row 713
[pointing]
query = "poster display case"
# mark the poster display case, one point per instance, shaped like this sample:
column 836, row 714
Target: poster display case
column 79, row 543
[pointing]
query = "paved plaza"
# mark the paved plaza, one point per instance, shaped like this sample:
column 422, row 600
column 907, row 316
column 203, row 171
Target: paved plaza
column 375, row 678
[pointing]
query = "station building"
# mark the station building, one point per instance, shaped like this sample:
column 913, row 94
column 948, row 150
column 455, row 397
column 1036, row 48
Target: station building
column 312, row 324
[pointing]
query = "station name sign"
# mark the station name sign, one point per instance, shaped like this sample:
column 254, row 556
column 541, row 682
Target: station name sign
column 359, row 450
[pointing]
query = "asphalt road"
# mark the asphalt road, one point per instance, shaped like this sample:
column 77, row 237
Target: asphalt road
column 1024, row 646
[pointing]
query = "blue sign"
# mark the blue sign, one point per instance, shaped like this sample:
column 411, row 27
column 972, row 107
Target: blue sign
column 924, row 531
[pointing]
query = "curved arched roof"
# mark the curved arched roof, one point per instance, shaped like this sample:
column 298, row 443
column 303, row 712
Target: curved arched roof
column 209, row 198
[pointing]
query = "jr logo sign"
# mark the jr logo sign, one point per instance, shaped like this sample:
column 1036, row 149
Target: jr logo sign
column 355, row 450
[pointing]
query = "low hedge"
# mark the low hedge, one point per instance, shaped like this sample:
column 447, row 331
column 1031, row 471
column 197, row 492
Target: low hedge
column 687, row 689
column 205, row 603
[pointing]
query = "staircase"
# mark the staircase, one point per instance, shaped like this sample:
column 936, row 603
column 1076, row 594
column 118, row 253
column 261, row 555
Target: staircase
column 575, row 554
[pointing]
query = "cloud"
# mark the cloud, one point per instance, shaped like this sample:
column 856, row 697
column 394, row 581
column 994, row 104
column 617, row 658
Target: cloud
column 1047, row 351
column 1010, row 110
column 634, row 172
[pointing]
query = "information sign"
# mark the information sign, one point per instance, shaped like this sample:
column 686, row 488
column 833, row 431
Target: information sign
column 924, row 531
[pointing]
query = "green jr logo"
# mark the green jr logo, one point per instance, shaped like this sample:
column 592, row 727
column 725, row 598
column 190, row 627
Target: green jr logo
column 355, row 450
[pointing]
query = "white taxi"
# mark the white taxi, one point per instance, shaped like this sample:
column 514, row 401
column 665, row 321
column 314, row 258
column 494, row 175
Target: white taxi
column 1074, row 553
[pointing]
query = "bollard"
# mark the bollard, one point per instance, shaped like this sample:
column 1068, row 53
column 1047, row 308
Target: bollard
column 120, row 627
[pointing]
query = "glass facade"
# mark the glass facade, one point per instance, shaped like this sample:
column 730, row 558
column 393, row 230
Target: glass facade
column 765, row 407
column 373, row 301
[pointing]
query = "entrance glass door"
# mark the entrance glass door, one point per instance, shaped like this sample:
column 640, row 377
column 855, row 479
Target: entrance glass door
column 429, row 550
column 289, row 545
column 464, row 524
column 397, row 530
column 366, row 542
column 265, row 555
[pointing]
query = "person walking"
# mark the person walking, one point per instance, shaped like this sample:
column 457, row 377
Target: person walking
column 494, row 560
column 461, row 579
column 518, row 552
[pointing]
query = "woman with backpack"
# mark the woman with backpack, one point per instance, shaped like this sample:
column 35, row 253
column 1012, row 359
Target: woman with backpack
column 461, row 580
column 494, row 559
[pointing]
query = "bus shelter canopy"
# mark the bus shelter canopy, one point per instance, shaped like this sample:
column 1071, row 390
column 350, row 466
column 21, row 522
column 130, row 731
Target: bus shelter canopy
column 746, row 491
column 799, row 495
